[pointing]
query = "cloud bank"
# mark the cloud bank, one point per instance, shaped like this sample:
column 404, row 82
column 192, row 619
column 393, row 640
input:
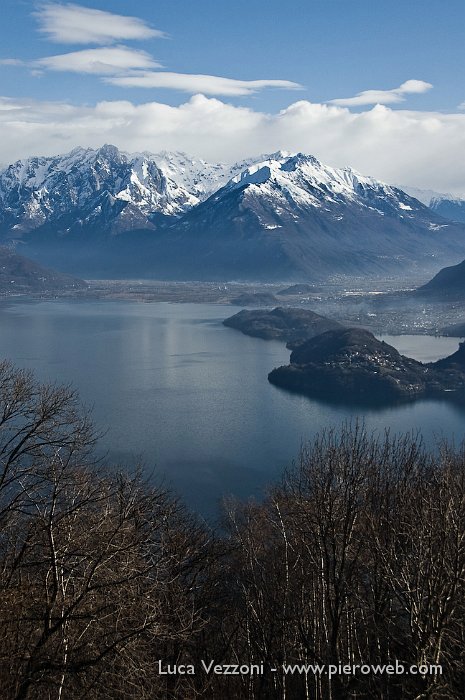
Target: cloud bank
column 422, row 149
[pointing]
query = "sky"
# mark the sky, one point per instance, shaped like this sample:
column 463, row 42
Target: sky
column 374, row 84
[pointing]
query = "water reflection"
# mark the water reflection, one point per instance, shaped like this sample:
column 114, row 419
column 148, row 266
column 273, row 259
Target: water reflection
column 190, row 397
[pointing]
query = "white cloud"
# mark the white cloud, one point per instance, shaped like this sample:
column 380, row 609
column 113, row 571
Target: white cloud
column 423, row 149
column 384, row 97
column 11, row 62
column 205, row 84
column 127, row 67
column 101, row 61
column 123, row 66
column 74, row 24
column 414, row 86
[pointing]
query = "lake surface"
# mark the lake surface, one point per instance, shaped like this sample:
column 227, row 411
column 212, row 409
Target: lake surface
column 170, row 384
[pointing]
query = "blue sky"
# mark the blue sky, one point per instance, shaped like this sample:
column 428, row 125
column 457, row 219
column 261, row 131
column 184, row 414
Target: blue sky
column 355, row 82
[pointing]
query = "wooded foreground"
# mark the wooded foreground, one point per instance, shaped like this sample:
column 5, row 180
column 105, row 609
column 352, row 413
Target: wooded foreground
column 357, row 557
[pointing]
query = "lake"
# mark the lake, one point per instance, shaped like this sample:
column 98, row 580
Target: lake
column 172, row 386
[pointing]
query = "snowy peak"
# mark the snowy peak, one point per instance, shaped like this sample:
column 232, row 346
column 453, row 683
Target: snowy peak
column 305, row 170
column 194, row 174
column 301, row 181
column 42, row 190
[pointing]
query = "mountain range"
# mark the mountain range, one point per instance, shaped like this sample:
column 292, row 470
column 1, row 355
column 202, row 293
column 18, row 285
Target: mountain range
column 102, row 212
column 104, row 188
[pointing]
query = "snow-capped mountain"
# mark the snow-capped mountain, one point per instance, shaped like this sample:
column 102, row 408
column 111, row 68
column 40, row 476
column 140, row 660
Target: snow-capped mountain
column 197, row 176
column 283, row 216
column 103, row 187
column 445, row 205
column 299, row 182
column 294, row 214
column 452, row 208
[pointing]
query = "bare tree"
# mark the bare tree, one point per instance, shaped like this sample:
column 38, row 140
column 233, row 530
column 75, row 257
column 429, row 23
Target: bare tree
column 96, row 568
column 357, row 557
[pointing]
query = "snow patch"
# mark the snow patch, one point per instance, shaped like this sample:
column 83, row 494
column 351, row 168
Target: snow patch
column 436, row 227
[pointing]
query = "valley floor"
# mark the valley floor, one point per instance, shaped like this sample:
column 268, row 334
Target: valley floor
column 382, row 306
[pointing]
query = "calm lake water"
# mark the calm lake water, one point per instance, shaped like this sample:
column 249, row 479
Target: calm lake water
column 171, row 385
